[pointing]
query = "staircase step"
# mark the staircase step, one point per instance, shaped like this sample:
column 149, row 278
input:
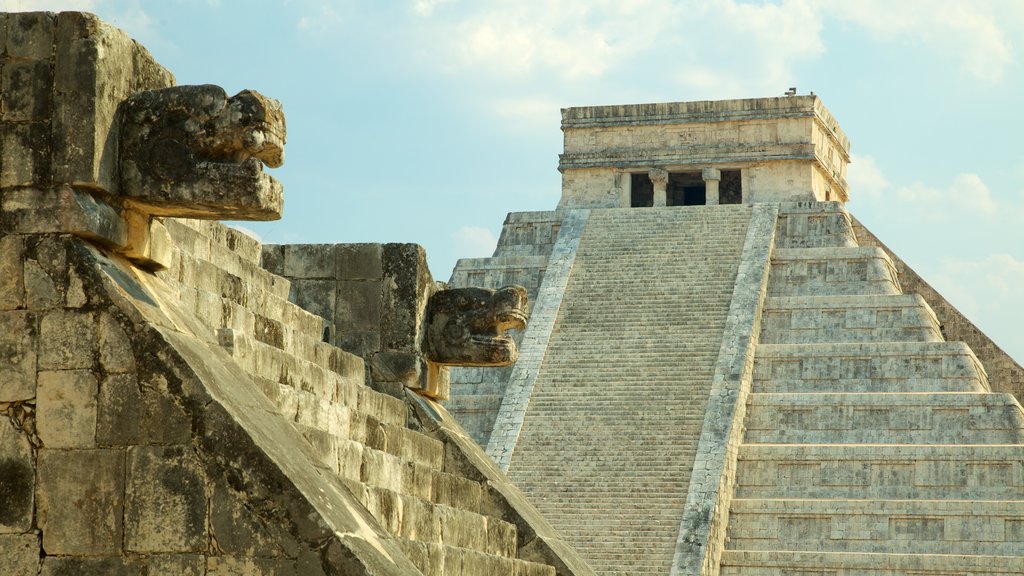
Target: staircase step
column 813, row 225
column 831, row 271
column 868, row 367
column 912, row 418
column 896, row 563
column 881, row 471
column 878, row 526
column 862, row 318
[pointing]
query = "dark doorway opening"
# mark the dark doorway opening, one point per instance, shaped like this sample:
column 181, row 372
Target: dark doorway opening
column 641, row 191
column 730, row 189
column 686, row 189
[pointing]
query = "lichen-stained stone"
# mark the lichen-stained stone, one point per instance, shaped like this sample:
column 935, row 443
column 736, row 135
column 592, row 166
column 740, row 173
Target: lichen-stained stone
column 30, row 35
column 40, row 290
column 239, row 532
column 316, row 296
column 165, row 500
column 17, row 482
column 26, row 149
column 17, row 355
column 67, row 340
column 235, row 566
column 138, row 410
column 20, row 554
column 92, row 74
column 64, row 210
column 115, row 350
column 66, row 408
column 357, row 305
column 107, row 566
column 80, row 501
column 359, row 261
column 407, row 285
column 12, row 283
column 310, row 261
column 26, row 91
column 177, row 564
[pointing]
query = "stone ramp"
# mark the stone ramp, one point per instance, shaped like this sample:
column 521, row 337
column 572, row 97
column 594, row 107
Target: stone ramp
column 423, row 500
column 872, row 446
column 609, row 435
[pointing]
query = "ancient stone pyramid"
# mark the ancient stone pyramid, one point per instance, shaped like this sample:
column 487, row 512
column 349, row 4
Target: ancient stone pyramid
column 725, row 373
column 722, row 373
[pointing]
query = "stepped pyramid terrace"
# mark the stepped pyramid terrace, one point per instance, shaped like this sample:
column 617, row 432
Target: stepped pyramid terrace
column 699, row 363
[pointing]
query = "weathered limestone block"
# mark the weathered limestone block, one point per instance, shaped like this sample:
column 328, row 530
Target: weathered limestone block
column 237, row 532
column 67, row 340
column 80, row 501
column 66, row 408
column 130, row 414
column 17, row 482
column 26, row 150
column 26, row 91
column 147, row 241
column 165, row 502
column 96, row 66
column 12, row 284
column 64, row 210
column 108, row 566
column 20, row 554
column 30, row 35
column 17, row 355
column 115, row 349
column 178, row 564
column 192, row 151
column 407, row 286
column 241, row 566
column 466, row 326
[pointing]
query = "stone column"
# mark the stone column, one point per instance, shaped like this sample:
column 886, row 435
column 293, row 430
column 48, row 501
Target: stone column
column 711, row 176
column 659, row 178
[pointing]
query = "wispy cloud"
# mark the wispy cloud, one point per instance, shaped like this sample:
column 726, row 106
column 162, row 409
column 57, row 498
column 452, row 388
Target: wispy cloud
column 971, row 34
column 474, row 242
column 47, row 5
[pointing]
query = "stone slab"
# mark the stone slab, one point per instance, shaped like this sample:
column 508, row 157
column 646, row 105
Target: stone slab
column 81, row 501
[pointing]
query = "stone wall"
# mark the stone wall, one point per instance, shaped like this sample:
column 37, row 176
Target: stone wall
column 373, row 298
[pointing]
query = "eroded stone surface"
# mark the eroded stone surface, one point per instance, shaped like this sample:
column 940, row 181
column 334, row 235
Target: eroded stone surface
column 466, row 326
column 165, row 504
column 81, row 501
column 192, row 151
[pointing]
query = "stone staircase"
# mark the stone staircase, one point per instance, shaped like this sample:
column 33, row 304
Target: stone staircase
column 401, row 475
column 521, row 257
column 609, row 436
column 872, row 446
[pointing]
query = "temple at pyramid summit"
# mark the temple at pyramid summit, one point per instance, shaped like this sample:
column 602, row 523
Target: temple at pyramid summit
column 698, row 363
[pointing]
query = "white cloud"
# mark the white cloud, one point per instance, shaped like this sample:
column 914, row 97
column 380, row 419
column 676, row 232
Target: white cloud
column 612, row 47
column 474, row 242
column 967, row 194
column 971, row 33
column 320, row 20
column 865, row 178
column 988, row 292
column 426, row 7
column 47, row 5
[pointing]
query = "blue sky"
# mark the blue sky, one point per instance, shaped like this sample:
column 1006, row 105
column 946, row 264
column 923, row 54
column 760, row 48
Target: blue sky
column 428, row 120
